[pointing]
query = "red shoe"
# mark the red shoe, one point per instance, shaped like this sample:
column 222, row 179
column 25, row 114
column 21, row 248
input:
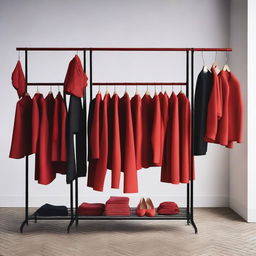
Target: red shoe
column 151, row 211
column 141, row 208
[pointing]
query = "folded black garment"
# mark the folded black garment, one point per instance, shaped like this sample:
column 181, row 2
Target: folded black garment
column 52, row 210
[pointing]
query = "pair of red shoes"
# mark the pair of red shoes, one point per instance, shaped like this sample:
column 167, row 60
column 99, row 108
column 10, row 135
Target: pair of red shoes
column 145, row 207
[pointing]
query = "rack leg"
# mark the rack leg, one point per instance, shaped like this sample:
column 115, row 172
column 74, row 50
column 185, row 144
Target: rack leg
column 22, row 225
column 194, row 226
column 70, row 224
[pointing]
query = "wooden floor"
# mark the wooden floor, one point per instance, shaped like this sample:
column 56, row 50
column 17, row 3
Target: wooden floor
column 221, row 232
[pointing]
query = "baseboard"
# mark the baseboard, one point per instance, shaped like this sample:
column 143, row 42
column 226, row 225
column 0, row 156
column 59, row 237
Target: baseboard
column 35, row 201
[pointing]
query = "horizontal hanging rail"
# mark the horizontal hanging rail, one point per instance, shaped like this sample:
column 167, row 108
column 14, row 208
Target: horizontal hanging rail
column 45, row 84
column 139, row 83
column 117, row 49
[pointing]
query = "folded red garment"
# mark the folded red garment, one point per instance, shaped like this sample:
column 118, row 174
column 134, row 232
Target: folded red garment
column 118, row 200
column 117, row 206
column 92, row 206
column 90, row 212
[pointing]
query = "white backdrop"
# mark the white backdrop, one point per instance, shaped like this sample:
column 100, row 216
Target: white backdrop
column 113, row 23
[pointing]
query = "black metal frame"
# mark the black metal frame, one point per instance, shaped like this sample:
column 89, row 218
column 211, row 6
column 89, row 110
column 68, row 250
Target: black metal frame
column 186, row 213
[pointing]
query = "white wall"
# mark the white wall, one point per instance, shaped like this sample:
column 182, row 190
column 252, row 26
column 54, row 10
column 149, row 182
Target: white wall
column 176, row 23
column 238, row 61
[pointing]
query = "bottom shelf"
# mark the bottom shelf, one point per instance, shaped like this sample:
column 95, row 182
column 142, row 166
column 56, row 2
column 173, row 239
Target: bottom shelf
column 182, row 215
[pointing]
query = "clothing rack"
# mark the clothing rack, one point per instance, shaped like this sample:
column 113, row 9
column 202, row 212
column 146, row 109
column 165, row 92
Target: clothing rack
column 186, row 213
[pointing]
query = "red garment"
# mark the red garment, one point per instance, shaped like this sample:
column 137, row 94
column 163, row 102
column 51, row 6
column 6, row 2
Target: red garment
column 35, row 122
column 18, row 80
column 101, row 163
column 214, row 112
column 168, row 208
column 156, row 131
column 57, row 166
column 93, row 209
column 59, row 143
column 21, row 138
column 147, row 122
column 170, row 171
column 128, row 165
column 114, row 150
column 185, row 137
column 76, row 79
column 94, row 140
column 137, row 128
column 118, row 200
column 164, row 99
column 44, row 169
column 235, row 106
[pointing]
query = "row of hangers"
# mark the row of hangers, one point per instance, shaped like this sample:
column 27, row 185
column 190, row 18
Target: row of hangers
column 224, row 68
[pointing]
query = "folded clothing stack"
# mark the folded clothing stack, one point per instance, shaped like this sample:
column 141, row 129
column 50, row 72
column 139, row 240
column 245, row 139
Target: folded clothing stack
column 52, row 210
column 168, row 208
column 94, row 209
column 117, row 206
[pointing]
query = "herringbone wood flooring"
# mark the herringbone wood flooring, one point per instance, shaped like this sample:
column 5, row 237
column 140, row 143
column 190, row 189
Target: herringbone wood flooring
column 221, row 233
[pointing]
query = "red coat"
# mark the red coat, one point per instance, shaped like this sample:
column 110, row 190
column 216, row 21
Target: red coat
column 114, row 149
column 127, row 146
column 21, row 138
column 170, row 171
column 164, row 101
column 94, row 139
column 185, row 137
column 137, row 128
column 101, row 163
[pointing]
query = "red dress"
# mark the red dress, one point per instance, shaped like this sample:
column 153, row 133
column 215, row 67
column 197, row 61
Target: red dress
column 128, row 165
column 185, row 138
column 170, row 171
column 101, row 163
column 164, row 99
column 137, row 128
column 18, row 80
column 94, row 139
column 114, row 150
column 21, row 138
column 156, row 131
column 147, row 122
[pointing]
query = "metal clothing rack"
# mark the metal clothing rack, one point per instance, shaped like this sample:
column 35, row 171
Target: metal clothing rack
column 186, row 213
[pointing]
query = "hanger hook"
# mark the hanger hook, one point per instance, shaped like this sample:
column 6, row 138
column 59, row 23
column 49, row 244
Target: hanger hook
column 50, row 88
column 18, row 55
column 215, row 59
column 227, row 59
column 202, row 54
column 37, row 89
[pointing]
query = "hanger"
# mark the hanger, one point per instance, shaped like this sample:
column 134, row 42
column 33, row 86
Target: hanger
column 155, row 89
column 205, row 69
column 50, row 92
column 147, row 92
column 226, row 67
column 215, row 65
column 114, row 89
column 136, row 93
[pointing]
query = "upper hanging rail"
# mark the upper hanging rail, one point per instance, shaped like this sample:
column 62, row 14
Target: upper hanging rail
column 139, row 83
column 117, row 49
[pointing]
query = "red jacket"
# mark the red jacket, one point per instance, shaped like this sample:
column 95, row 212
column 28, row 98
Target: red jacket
column 170, row 171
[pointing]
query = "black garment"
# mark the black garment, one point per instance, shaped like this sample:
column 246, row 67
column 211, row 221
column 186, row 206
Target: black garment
column 52, row 210
column 203, row 91
column 76, row 125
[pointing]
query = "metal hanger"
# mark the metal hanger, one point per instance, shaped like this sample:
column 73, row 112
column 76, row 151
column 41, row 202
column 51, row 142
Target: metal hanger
column 226, row 67
column 205, row 69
